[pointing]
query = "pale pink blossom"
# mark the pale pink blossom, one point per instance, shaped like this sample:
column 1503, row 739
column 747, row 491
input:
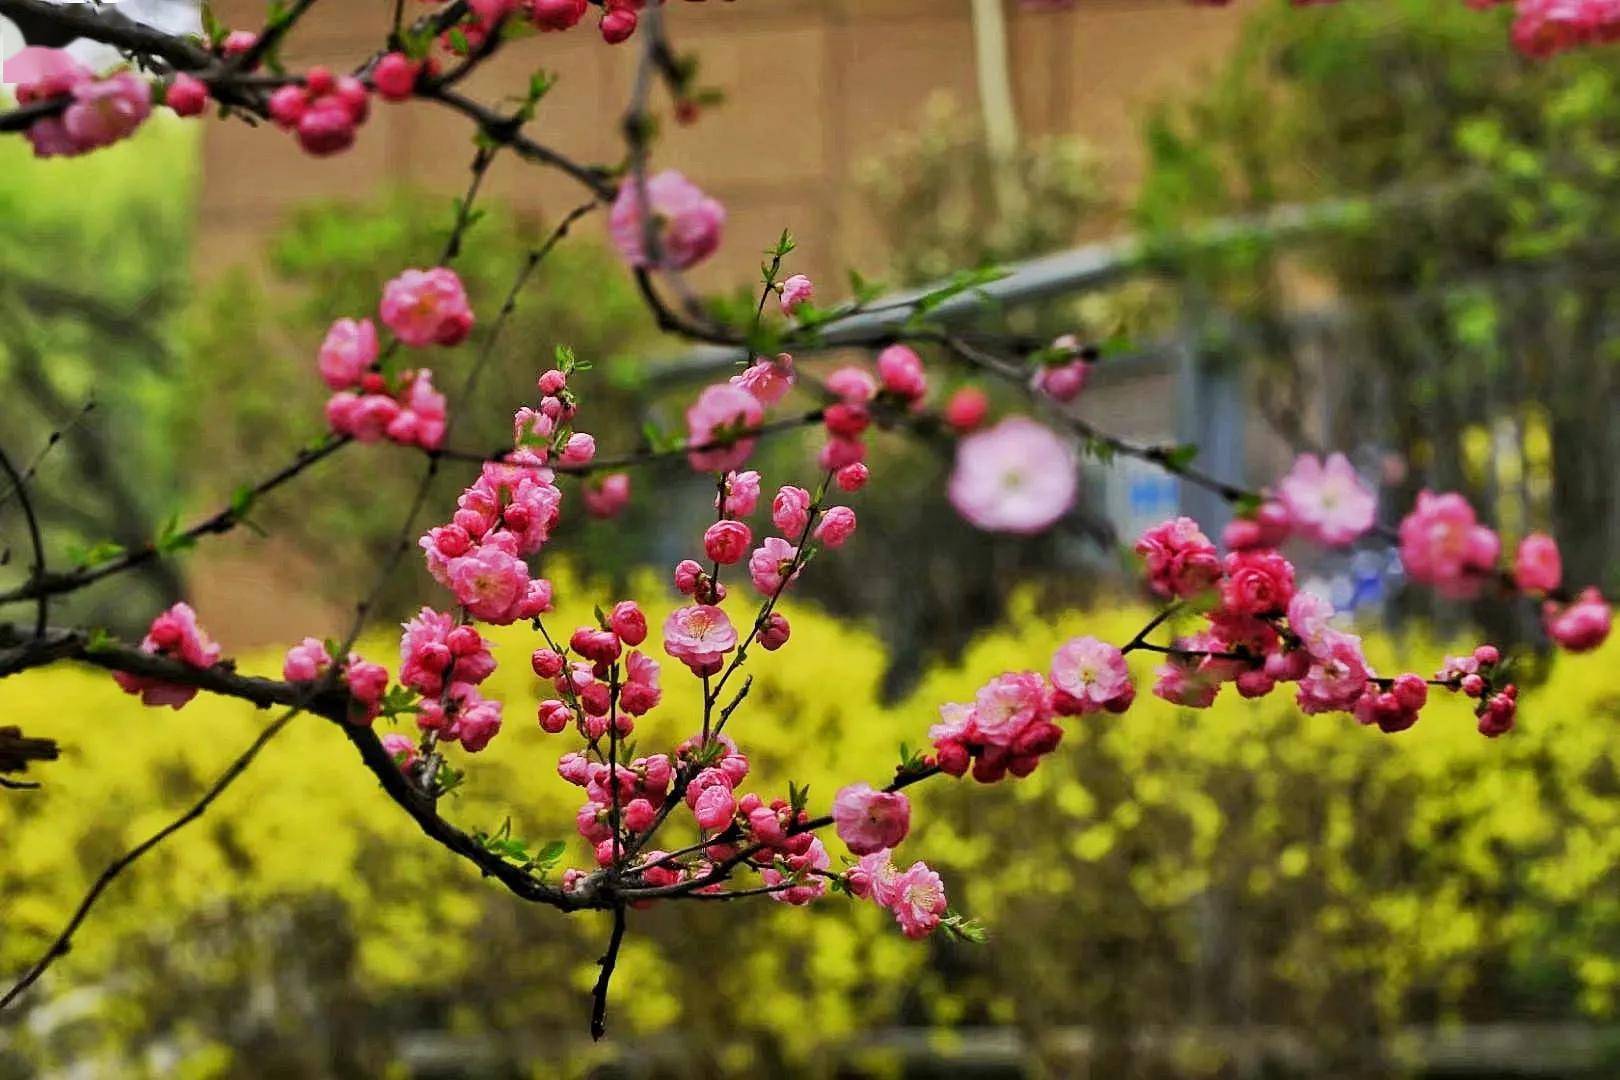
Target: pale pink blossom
column 1008, row 704
column 1016, row 477
column 494, row 585
column 1337, row 676
column 606, row 496
column 401, row 748
column 1327, row 501
column 719, row 416
column 306, row 661
column 1088, row 676
column 427, row 307
column 699, row 636
column 686, row 222
column 869, row 820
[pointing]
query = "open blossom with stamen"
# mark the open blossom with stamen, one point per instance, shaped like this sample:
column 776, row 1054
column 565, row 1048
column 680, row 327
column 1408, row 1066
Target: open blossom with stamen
column 176, row 635
column 1337, row 677
column 1016, row 477
column 869, row 820
column 1089, row 676
column 493, row 584
column 919, row 901
column 1327, row 501
column 699, row 636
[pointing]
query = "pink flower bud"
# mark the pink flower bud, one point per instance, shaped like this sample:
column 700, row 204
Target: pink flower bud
column 967, row 409
column 727, row 541
column 852, row 477
column 395, row 76
column 774, row 634
column 187, row 96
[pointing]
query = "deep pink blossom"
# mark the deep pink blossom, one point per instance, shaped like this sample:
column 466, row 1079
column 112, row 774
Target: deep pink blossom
column 836, row 527
column 173, row 634
column 919, row 901
column 742, row 494
column 1581, row 626
column 790, row 510
column 806, row 886
column 1181, row 560
column 1257, row 582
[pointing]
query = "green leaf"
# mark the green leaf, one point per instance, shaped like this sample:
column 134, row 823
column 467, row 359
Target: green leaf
column 1178, row 458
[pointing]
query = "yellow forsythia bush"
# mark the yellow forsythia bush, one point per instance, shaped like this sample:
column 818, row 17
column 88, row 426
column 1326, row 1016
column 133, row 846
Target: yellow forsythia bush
column 1244, row 864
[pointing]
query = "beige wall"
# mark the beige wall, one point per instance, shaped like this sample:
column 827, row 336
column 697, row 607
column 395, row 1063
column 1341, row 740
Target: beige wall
column 814, row 87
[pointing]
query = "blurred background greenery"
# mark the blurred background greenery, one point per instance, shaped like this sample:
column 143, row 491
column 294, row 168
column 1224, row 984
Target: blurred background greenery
column 1238, row 892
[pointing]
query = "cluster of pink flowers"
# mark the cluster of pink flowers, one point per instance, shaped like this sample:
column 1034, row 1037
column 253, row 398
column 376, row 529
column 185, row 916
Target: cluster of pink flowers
column 1542, row 28
column 323, row 111
column 421, row 307
column 901, row 384
column 686, row 223
column 1012, row 722
column 916, row 895
column 444, row 660
column 617, row 23
column 97, row 112
column 367, row 682
column 176, row 635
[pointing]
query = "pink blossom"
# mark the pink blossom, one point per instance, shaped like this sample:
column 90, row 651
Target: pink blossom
column 494, row 585
column 640, row 693
column 902, row 373
column 606, row 496
column 720, row 414
column 742, row 494
column 435, row 650
column 628, row 621
column 876, row 877
column 1337, row 677
column 427, row 307
column 966, row 409
column 807, row 885
column 306, row 661
column 1442, row 544
column 919, row 901
column 1327, row 502
column 1308, row 618
column 852, row 477
column 770, row 563
column 686, row 222
column 837, row 526
column 105, row 111
column 1543, row 28
column 363, row 417
column 869, row 820
column 714, row 806
column 1007, row 705
column 699, row 636
column 1190, row 681
column 1089, row 676
column 1016, row 477
column 767, row 380
column 727, row 541
column 173, row 634
column 1181, row 560
column 852, row 385
column 1537, row 566
column 1257, row 582
column 795, row 292
column 775, row 632
column 1580, row 627
column 400, row 748
column 790, row 510
column 348, row 352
